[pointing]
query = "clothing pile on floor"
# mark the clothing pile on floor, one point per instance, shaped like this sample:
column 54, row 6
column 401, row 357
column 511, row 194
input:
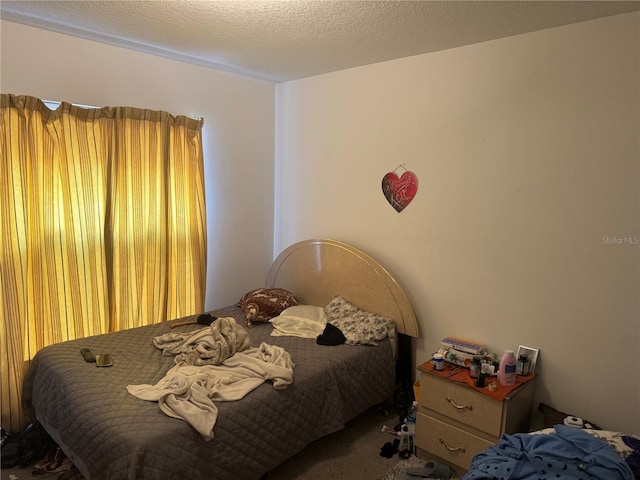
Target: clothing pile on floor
column 34, row 446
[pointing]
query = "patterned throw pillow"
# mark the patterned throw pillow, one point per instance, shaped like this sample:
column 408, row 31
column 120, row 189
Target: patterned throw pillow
column 358, row 326
column 262, row 304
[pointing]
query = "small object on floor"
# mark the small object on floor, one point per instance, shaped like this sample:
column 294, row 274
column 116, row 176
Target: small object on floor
column 389, row 449
column 55, row 461
column 430, row 470
column 389, row 430
column 404, row 454
column 10, row 451
column 386, row 450
column 22, row 448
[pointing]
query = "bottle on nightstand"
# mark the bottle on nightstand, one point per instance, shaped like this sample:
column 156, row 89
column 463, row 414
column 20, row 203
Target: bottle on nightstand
column 507, row 369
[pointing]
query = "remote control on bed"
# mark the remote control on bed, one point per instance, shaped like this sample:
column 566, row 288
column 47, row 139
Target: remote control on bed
column 88, row 355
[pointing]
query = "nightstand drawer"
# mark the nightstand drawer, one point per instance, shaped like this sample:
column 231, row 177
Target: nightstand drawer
column 462, row 404
column 448, row 442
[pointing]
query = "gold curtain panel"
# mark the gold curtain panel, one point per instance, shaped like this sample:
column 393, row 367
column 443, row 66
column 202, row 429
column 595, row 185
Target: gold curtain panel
column 102, row 224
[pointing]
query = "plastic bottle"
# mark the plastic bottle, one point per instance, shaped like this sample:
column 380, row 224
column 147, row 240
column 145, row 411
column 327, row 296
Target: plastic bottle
column 507, row 369
column 411, row 424
column 404, row 439
column 411, row 417
column 522, row 365
column 438, row 362
column 474, row 371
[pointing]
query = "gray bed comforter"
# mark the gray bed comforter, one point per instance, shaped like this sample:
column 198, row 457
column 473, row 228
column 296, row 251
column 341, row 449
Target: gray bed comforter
column 110, row 434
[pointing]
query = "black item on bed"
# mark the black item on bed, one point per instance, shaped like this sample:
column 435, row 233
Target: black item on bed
column 205, row 319
column 331, row 336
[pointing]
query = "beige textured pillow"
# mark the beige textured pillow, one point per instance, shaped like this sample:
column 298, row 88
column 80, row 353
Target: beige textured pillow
column 360, row 327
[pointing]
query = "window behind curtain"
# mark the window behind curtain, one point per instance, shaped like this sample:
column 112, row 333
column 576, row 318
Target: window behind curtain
column 103, row 226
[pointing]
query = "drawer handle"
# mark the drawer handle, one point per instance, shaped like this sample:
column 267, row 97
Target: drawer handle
column 451, row 449
column 459, row 407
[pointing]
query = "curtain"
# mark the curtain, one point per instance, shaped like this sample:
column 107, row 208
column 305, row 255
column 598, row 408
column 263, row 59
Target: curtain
column 102, row 227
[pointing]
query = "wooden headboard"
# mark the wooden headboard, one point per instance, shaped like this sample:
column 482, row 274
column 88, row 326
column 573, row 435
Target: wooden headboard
column 317, row 270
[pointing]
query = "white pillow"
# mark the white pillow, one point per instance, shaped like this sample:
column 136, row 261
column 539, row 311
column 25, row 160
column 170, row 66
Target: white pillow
column 306, row 321
column 310, row 312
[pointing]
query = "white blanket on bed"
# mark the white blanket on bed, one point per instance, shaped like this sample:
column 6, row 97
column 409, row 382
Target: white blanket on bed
column 188, row 392
column 297, row 327
column 207, row 346
column 305, row 321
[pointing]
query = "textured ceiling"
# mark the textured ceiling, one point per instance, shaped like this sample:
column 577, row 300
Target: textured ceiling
column 285, row 40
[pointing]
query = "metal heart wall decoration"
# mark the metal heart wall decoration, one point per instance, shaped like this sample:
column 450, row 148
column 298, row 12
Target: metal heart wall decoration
column 399, row 191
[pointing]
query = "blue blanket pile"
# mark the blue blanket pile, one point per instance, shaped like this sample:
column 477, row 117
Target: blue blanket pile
column 569, row 453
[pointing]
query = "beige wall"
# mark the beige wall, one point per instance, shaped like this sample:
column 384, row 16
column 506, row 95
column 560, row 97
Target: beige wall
column 527, row 152
column 238, row 133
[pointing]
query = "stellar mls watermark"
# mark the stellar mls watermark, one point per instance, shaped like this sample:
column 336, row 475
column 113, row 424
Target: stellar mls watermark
column 615, row 240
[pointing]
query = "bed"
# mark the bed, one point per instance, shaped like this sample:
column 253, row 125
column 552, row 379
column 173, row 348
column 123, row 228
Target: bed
column 109, row 433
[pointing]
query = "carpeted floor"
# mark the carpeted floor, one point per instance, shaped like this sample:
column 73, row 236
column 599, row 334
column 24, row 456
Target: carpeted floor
column 351, row 453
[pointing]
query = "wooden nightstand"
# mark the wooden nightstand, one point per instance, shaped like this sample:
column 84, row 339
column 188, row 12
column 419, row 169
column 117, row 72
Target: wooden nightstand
column 457, row 420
